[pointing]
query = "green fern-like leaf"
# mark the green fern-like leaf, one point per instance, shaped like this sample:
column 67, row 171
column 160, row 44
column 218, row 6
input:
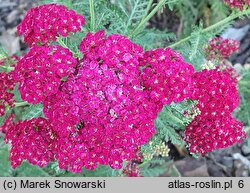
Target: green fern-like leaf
column 219, row 11
column 2, row 118
column 153, row 38
column 158, row 166
column 3, row 53
column 167, row 132
column 196, row 39
column 33, row 111
column 193, row 51
column 17, row 96
column 171, row 119
column 110, row 17
column 184, row 8
column 171, row 4
column 243, row 113
column 134, row 10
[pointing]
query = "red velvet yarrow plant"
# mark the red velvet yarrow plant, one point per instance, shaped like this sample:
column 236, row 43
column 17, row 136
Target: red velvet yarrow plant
column 101, row 108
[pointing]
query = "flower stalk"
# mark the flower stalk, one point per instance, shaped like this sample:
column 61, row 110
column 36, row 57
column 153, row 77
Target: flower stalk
column 214, row 26
column 7, row 68
column 21, row 104
column 148, row 17
column 92, row 15
column 61, row 43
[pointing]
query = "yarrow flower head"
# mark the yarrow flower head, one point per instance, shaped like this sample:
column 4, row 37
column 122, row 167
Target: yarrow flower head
column 215, row 127
column 210, row 87
column 102, row 114
column 40, row 71
column 220, row 49
column 30, row 140
column 166, row 76
column 204, row 135
column 45, row 23
column 6, row 95
column 8, row 123
column 239, row 4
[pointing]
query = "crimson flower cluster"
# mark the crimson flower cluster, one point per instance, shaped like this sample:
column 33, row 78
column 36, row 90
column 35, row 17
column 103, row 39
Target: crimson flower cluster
column 103, row 105
column 166, row 76
column 40, row 71
column 7, row 83
column 44, row 23
column 6, row 96
column 239, row 4
column 30, row 140
column 219, row 48
column 8, row 123
column 217, row 96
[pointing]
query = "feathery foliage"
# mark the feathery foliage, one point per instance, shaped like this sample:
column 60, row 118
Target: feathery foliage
column 243, row 113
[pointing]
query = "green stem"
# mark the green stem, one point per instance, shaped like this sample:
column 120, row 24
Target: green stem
column 92, row 15
column 21, row 104
column 147, row 18
column 169, row 114
column 148, row 8
column 214, row 26
column 7, row 68
column 61, row 43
